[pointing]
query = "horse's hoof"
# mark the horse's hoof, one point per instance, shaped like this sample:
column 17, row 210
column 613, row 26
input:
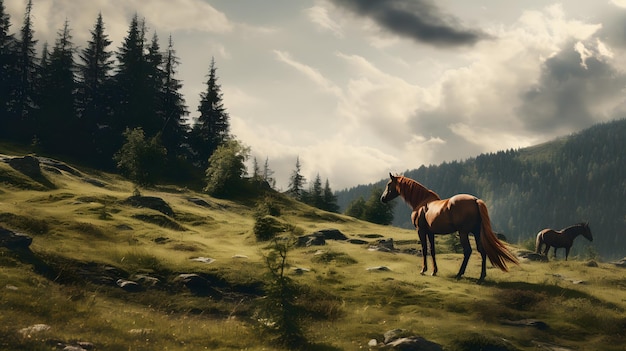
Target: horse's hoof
column 422, row 273
column 459, row 276
column 434, row 274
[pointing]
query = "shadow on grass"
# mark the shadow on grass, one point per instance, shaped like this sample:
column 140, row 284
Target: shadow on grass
column 552, row 290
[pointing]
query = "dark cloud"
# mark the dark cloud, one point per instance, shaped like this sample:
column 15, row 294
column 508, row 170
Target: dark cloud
column 420, row 20
column 567, row 92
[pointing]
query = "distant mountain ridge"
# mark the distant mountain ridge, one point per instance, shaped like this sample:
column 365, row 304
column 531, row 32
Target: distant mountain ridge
column 578, row 178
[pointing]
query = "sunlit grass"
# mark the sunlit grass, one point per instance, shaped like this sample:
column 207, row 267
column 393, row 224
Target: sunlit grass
column 78, row 224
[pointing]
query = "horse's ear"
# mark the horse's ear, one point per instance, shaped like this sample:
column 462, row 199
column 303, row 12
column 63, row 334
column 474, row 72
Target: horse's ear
column 391, row 176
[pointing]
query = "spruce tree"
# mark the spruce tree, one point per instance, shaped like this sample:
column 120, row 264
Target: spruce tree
column 56, row 116
column 296, row 182
column 315, row 197
column 8, row 74
column 23, row 97
column 152, row 120
column 329, row 200
column 267, row 174
column 94, row 102
column 173, row 111
column 131, row 81
column 213, row 126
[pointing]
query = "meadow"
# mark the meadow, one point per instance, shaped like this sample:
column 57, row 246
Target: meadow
column 88, row 238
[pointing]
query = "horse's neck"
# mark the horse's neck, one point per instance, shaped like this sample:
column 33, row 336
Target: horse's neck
column 574, row 231
column 416, row 195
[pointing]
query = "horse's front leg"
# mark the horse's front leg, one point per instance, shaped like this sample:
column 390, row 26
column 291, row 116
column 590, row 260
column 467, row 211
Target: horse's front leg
column 555, row 253
column 431, row 239
column 423, row 241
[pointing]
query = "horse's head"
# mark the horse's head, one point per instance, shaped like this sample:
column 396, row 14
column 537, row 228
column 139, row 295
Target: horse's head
column 391, row 190
column 587, row 232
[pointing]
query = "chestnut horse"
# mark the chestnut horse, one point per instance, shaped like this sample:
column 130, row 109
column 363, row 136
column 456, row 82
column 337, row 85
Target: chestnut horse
column 561, row 238
column 461, row 213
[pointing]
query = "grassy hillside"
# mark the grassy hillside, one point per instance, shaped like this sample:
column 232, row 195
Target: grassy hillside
column 88, row 238
column 572, row 179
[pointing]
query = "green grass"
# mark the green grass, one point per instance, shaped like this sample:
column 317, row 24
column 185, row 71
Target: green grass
column 78, row 227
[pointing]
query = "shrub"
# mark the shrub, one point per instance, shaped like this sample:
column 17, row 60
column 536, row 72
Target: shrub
column 279, row 315
column 266, row 227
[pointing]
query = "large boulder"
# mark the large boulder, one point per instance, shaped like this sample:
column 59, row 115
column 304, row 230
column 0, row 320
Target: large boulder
column 152, row 202
column 28, row 165
column 13, row 240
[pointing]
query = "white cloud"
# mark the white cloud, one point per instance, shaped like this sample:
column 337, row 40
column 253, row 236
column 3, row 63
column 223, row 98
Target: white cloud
column 319, row 16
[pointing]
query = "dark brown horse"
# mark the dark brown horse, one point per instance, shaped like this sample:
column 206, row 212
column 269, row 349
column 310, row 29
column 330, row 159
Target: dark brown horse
column 561, row 238
column 461, row 213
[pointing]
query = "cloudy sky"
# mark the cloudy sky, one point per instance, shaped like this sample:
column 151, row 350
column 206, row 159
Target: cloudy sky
column 360, row 88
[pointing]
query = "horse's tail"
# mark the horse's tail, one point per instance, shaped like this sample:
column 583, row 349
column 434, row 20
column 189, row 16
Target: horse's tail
column 538, row 242
column 496, row 251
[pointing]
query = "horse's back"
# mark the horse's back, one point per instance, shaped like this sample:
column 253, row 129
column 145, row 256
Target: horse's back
column 445, row 216
column 554, row 238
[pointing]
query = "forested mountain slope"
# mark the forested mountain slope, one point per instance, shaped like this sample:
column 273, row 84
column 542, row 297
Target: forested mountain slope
column 578, row 178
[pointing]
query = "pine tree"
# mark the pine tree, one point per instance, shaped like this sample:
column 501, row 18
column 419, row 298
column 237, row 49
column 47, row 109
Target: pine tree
column 213, row 126
column 315, row 196
column 329, row 200
column 173, row 109
column 56, row 116
column 256, row 170
column 8, row 74
column 95, row 100
column 268, row 173
column 296, row 182
column 23, row 97
column 153, row 119
column 131, row 81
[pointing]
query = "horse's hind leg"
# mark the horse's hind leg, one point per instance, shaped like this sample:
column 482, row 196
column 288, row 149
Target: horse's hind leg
column 566, row 253
column 431, row 240
column 467, row 251
column 483, row 256
column 424, row 242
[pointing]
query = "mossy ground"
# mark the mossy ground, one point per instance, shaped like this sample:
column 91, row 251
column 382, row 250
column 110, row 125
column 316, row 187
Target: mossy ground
column 77, row 224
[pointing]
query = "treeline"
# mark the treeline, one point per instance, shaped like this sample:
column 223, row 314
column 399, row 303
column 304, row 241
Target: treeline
column 123, row 110
column 79, row 103
column 580, row 178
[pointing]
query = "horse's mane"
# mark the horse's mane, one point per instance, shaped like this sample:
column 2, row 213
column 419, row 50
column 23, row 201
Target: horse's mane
column 581, row 224
column 413, row 192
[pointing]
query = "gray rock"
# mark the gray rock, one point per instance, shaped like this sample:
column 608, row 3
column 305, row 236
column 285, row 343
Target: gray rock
column 13, row 240
column 128, row 285
column 413, row 343
column 28, row 165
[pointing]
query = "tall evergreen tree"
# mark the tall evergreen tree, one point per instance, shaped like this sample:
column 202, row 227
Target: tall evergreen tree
column 267, row 174
column 213, row 126
column 152, row 121
column 329, row 202
column 56, row 115
column 23, row 97
column 95, row 71
column 8, row 73
column 316, row 195
column 173, row 110
column 131, row 81
column 296, row 182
